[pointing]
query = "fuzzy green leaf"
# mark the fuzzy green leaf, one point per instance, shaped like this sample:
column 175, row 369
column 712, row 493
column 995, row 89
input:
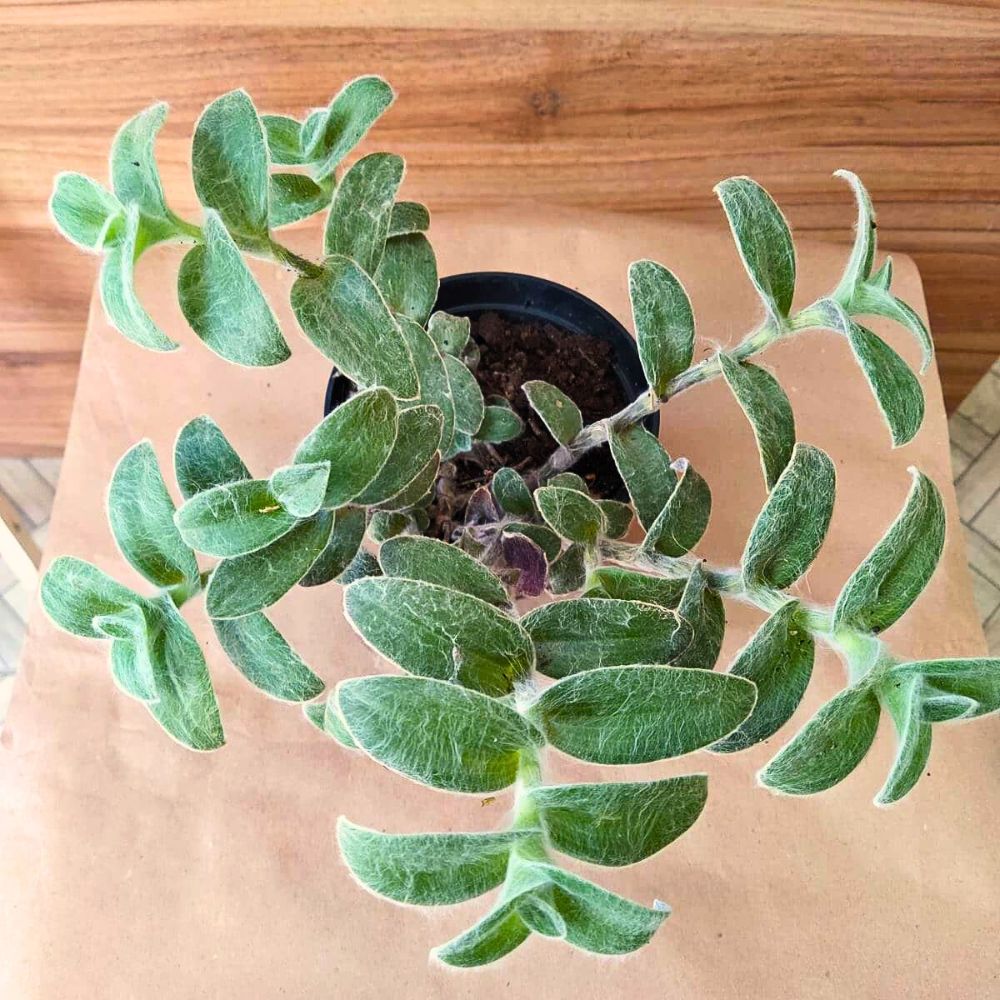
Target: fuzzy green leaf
column 779, row 660
column 230, row 167
column 121, row 304
column 358, row 223
column 284, row 140
column 571, row 514
column 357, row 439
column 185, row 704
column 261, row 653
column 511, row 493
column 871, row 300
column 637, row 714
column 703, row 616
column 408, row 217
column 763, row 240
column 432, row 372
column 626, row 585
column 222, row 301
column 500, row 423
column 345, row 540
column 767, row 408
column 407, row 276
column 558, row 412
column 434, row 732
column 493, row 937
column 135, row 177
column 332, row 134
column 619, row 823
column 235, row 518
column 569, row 481
column 897, row 391
column 331, row 723
column 204, row 458
column 293, row 197
column 544, row 537
column 902, row 698
column 618, row 516
column 684, row 518
column 344, row 315
column 75, row 592
column 830, row 745
column 468, row 397
column 254, row 581
column 85, row 213
column 893, row 575
column 450, row 333
column 645, row 469
column 568, row 571
column 859, row 264
column 437, row 562
column 954, row 689
column 419, row 491
column 792, row 524
column 417, row 441
column 141, row 513
column 664, row 323
column 436, row 632
column 300, row 488
column 426, row 869
column 587, row 633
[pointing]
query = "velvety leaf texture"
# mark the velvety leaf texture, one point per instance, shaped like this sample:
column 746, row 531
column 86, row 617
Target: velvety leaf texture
column 627, row 585
column 830, row 745
column 891, row 578
column 763, row 240
column 358, row 223
column 134, row 174
column 435, row 384
column 450, row 333
column 229, row 165
column 954, row 689
column 500, row 423
column 123, row 308
column 357, row 439
column 408, row 217
column 512, row 493
column 664, row 323
column 767, row 408
column 262, row 654
column 587, row 633
column 859, row 264
column 75, row 592
column 407, row 276
column 426, row 869
column 779, row 660
column 645, row 469
column 85, row 213
column 903, row 700
column 558, row 412
column 571, row 514
column 254, row 581
column 337, row 130
column 619, row 823
column 568, row 571
column 203, row 458
column 437, row 632
column 141, row 513
column 436, row 733
column 684, row 518
column 790, row 529
column 703, row 620
column 437, row 562
column 344, row 315
column 222, row 301
column 284, row 139
column 293, row 197
column 345, row 540
column 468, row 397
column 637, row 714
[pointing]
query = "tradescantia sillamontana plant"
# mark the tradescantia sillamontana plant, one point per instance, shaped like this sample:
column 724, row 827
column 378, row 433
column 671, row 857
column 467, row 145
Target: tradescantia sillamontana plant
column 631, row 656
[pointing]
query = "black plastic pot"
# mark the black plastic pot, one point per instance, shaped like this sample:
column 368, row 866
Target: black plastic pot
column 522, row 296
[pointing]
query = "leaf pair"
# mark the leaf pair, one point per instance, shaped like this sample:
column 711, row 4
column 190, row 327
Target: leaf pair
column 154, row 656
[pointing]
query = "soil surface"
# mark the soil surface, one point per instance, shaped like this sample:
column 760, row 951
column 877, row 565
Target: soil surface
column 513, row 352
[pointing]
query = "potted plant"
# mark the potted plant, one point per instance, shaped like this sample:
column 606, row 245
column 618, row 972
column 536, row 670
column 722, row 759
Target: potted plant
column 465, row 463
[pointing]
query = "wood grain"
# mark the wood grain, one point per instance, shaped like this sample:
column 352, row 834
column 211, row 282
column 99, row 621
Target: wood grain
column 633, row 106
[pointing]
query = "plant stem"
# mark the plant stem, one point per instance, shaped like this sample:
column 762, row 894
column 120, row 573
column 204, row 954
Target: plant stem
column 289, row 258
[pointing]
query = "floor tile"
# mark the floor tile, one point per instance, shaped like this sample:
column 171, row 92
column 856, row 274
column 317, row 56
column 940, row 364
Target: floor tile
column 966, row 435
column 982, row 405
column 48, row 469
column 979, row 482
column 959, row 461
column 983, row 554
column 11, row 637
column 986, row 594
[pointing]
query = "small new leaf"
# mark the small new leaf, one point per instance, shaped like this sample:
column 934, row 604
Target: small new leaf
column 332, row 134
column 558, row 412
column 85, row 213
column 571, row 514
column 204, row 458
column 903, row 699
column 684, row 518
column 135, row 177
column 703, row 618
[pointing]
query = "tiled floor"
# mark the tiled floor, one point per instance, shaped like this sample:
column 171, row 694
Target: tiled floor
column 975, row 454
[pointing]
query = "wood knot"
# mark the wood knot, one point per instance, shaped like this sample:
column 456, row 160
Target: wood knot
column 546, row 103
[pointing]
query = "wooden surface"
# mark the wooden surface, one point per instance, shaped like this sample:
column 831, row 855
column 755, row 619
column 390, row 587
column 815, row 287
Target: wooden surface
column 629, row 105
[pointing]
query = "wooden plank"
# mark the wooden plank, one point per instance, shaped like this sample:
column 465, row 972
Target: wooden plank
column 633, row 106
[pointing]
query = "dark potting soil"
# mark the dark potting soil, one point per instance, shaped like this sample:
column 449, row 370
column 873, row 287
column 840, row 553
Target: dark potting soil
column 513, row 352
